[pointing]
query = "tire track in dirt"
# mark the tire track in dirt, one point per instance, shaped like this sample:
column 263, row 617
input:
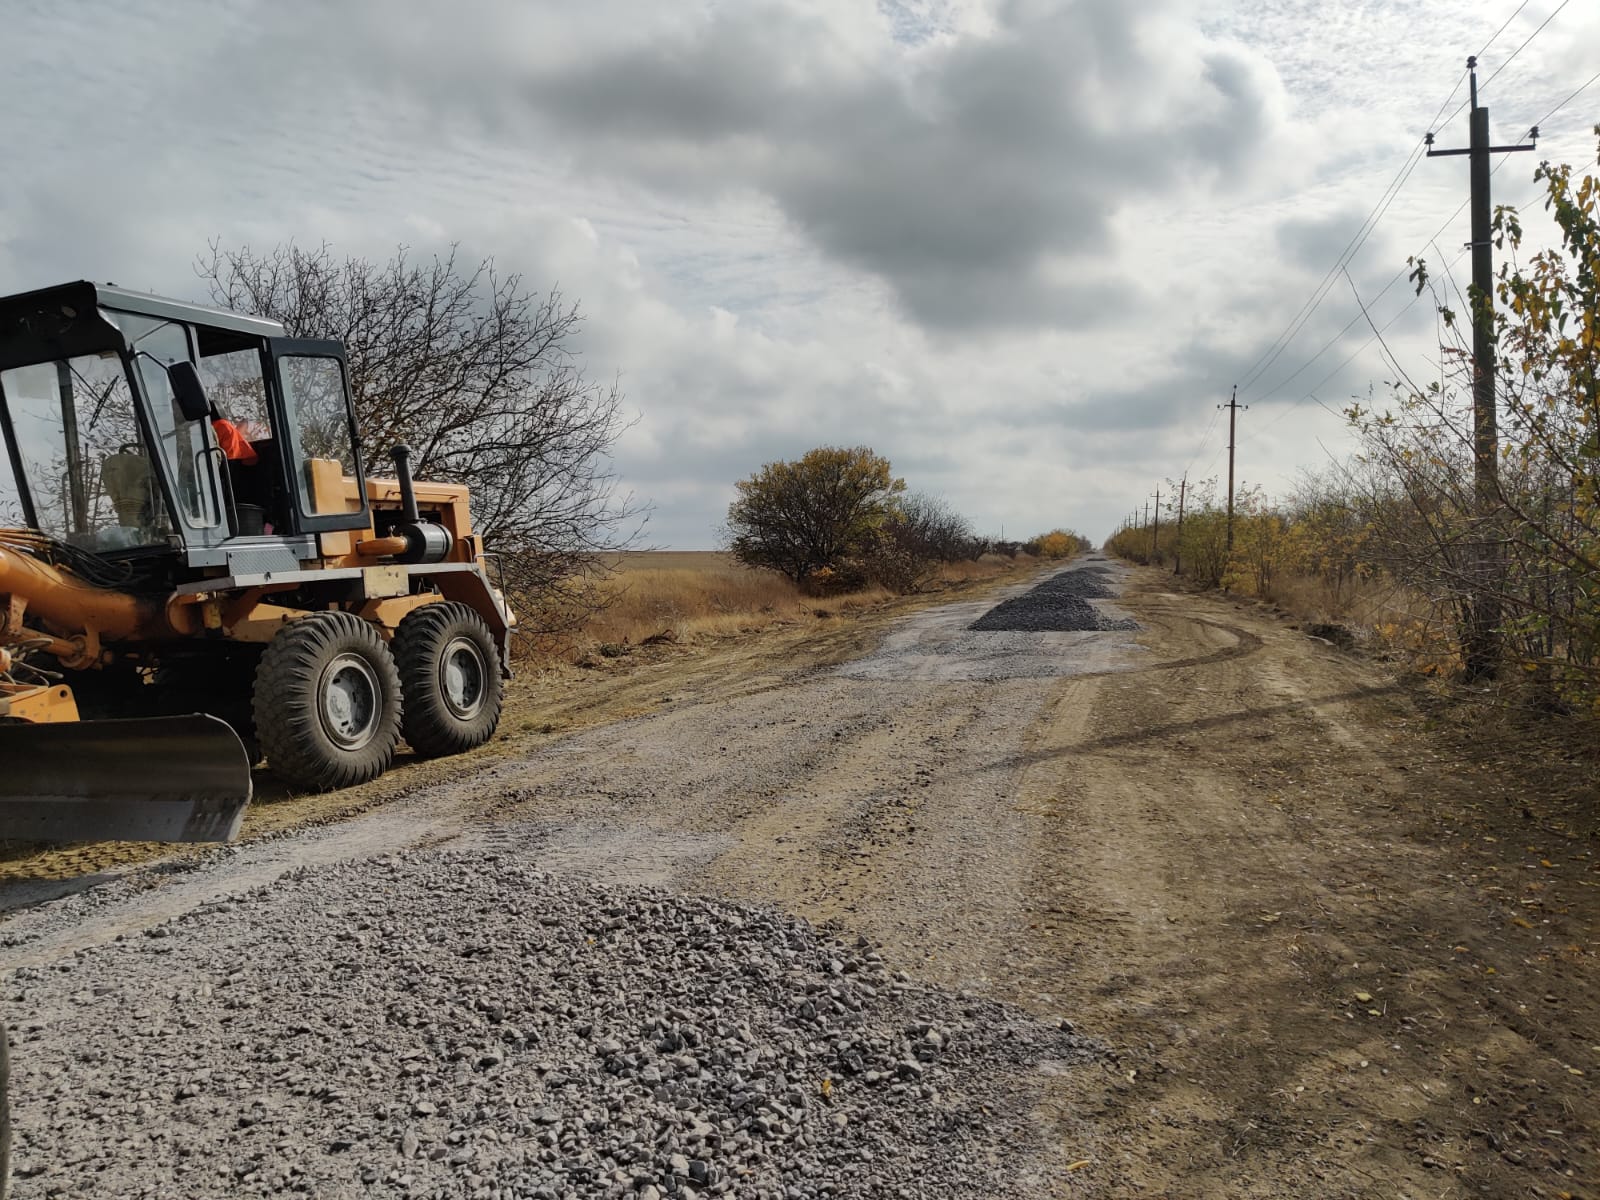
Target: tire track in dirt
column 1154, row 853
column 1228, row 892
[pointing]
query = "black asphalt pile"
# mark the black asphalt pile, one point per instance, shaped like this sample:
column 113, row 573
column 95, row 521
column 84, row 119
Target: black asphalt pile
column 463, row 1025
column 1061, row 604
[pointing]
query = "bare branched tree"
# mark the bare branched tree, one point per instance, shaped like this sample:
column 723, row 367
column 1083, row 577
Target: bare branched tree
column 930, row 529
column 479, row 377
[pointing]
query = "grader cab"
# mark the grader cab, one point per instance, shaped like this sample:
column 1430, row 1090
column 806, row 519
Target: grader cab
column 196, row 572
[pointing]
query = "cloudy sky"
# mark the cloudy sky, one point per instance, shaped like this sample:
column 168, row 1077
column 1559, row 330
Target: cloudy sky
column 1021, row 247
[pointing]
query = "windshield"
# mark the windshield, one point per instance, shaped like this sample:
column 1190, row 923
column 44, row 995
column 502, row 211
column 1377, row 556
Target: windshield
column 83, row 458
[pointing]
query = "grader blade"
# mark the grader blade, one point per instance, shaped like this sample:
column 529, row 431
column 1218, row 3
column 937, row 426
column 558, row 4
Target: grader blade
column 151, row 779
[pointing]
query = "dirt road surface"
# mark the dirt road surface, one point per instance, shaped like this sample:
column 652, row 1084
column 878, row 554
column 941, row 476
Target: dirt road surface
column 1332, row 950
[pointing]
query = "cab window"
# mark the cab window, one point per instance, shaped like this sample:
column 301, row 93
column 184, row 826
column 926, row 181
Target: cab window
column 87, row 467
column 323, row 451
column 237, row 390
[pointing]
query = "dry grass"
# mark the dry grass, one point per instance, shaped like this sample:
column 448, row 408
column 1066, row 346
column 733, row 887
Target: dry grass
column 1361, row 601
column 1392, row 618
column 696, row 596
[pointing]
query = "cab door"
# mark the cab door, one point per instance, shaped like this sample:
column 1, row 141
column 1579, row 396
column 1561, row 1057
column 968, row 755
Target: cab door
column 321, row 444
column 190, row 465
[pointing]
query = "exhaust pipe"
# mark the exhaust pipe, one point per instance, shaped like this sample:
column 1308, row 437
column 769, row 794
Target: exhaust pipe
column 425, row 541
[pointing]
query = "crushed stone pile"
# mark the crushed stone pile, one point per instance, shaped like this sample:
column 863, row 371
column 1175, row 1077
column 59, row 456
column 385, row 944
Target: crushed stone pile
column 1058, row 605
column 460, row 1024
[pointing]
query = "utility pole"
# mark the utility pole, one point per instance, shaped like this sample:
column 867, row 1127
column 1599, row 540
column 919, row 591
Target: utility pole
column 1482, row 641
column 1177, row 551
column 1233, row 406
column 1155, row 532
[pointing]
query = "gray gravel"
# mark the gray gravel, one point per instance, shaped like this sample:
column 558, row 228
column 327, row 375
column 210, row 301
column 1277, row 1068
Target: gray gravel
column 435, row 1024
column 1061, row 604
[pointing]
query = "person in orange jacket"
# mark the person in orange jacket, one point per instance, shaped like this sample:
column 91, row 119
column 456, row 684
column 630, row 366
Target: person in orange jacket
column 235, row 447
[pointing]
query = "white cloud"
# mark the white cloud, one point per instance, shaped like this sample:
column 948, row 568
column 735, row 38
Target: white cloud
column 1022, row 247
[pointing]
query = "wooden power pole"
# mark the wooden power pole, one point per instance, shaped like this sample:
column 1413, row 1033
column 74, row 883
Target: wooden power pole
column 1177, row 550
column 1233, row 406
column 1155, row 530
column 1481, row 650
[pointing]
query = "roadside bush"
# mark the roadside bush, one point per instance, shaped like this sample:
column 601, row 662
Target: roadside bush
column 819, row 513
column 1058, row 543
column 838, row 519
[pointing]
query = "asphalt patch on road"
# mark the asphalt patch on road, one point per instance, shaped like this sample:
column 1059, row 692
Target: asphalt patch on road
column 1061, row 604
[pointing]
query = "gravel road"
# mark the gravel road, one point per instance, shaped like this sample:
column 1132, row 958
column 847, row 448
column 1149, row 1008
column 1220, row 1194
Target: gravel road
column 530, row 1012
column 665, row 955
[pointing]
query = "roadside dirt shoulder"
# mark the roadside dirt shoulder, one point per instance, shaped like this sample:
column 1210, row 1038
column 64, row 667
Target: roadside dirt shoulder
column 1336, row 957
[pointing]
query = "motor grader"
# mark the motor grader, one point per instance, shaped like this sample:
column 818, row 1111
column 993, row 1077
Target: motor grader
column 196, row 572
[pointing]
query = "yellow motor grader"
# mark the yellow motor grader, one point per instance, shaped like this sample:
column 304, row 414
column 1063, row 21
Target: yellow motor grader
column 196, row 572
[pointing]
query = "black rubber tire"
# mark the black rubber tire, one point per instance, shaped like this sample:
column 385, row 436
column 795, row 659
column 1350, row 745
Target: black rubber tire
column 433, row 725
column 289, row 713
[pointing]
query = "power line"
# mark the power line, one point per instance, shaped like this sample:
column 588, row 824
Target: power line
column 1281, row 343
column 1364, row 232
column 1460, row 79
column 1432, row 241
column 1593, row 79
column 1328, row 345
column 1333, row 341
column 1501, row 30
column 1512, row 57
column 1357, row 240
column 1526, row 40
column 1358, row 351
column 1298, row 322
column 1342, row 266
column 1201, row 448
column 1344, row 261
column 1545, row 120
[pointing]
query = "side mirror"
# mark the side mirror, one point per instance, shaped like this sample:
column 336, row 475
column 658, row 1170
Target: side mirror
column 189, row 392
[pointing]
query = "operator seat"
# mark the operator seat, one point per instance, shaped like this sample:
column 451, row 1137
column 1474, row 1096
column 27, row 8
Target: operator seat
column 126, row 475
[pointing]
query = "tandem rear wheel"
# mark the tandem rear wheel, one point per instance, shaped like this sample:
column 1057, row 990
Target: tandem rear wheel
column 327, row 702
column 332, row 700
column 450, row 679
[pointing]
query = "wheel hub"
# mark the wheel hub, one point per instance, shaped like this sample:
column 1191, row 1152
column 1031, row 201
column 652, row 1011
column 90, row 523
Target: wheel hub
column 350, row 701
column 463, row 676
